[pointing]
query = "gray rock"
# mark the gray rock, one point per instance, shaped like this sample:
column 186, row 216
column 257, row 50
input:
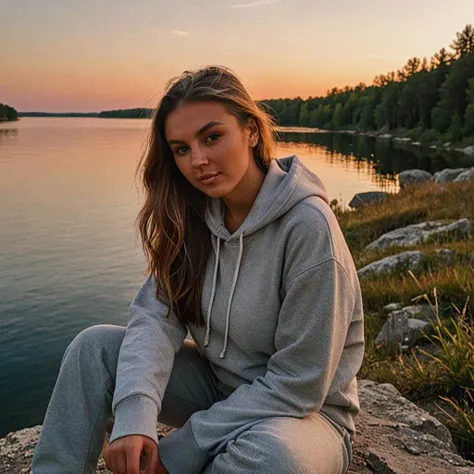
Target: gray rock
column 392, row 307
column 393, row 435
column 389, row 264
column 406, row 326
column 467, row 175
column 361, row 199
column 386, row 135
column 447, row 175
column 397, row 437
column 416, row 143
column 17, row 448
column 420, row 311
column 418, row 233
column 400, row 139
column 411, row 177
column 446, row 255
column 469, row 150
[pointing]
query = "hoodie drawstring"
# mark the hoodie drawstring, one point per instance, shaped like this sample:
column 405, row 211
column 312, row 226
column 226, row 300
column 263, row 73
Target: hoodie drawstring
column 214, row 278
column 234, row 284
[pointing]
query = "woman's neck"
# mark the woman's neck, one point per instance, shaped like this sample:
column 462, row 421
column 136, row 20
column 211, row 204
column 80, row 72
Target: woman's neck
column 238, row 206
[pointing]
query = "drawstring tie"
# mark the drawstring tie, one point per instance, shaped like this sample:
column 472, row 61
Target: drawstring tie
column 234, row 284
column 208, row 329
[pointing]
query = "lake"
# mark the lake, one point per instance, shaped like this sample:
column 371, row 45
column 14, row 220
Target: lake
column 69, row 257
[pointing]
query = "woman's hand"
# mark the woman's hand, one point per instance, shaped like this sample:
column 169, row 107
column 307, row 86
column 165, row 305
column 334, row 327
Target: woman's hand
column 134, row 454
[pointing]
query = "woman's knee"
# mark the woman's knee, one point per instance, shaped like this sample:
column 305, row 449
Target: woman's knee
column 102, row 340
column 254, row 451
column 284, row 444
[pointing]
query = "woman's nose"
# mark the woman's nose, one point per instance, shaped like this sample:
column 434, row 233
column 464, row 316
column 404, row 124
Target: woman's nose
column 198, row 157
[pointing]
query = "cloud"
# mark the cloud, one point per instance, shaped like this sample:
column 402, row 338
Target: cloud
column 180, row 33
column 256, row 3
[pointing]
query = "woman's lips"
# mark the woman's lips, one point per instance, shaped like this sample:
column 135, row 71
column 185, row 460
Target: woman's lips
column 210, row 179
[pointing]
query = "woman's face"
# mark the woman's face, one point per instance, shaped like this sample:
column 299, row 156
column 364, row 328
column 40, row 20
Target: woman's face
column 207, row 140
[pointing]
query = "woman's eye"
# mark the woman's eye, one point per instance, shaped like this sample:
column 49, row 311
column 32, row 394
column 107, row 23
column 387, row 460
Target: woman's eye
column 181, row 150
column 213, row 137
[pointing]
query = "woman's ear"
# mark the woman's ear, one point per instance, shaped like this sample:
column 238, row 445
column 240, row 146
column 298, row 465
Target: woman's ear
column 253, row 132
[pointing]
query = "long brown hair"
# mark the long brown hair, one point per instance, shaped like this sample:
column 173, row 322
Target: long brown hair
column 173, row 233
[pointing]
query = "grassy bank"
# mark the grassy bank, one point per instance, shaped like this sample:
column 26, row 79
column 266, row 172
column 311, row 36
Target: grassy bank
column 438, row 374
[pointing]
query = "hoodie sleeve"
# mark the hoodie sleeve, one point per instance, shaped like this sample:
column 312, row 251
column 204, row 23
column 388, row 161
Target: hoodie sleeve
column 311, row 333
column 144, row 364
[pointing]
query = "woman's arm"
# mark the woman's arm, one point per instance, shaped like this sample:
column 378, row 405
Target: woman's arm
column 145, row 362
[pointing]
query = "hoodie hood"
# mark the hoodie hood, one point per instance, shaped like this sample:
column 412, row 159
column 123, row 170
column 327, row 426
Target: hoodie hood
column 288, row 181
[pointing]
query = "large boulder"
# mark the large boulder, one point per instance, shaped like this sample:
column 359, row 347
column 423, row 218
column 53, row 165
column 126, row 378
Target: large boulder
column 361, row 199
column 410, row 177
column 448, row 175
column 394, row 436
column 388, row 264
column 418, row 233
column 467, row 175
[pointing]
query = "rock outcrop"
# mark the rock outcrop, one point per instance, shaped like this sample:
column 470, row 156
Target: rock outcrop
column 447, row 175
column 394, row 436
column 388, row 264
column 467, row 175
column 410, row 177
column 406, row 326
column 418, row 233
column 369, row 197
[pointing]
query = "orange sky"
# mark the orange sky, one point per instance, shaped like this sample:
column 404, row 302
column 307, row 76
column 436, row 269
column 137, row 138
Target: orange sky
column 95, row 55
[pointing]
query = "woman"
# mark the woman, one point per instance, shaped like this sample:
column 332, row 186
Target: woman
column 269, row 383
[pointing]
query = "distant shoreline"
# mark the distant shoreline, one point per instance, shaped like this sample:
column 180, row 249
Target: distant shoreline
column 138, row 113
column 147, row 114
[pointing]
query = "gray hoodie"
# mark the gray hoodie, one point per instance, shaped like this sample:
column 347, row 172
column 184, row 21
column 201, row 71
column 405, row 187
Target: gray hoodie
column 284, row 324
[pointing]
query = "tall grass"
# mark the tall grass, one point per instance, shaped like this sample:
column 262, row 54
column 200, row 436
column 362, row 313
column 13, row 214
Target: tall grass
column 441, row 368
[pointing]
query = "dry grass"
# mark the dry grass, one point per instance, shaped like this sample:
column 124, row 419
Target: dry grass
column 442, row 367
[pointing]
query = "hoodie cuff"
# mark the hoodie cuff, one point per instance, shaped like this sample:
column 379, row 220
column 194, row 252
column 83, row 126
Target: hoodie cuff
column 180, row 453
column 136, row 415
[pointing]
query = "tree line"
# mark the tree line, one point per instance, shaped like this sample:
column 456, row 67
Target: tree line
column 127, row 113
column 7, row 113
column 432, row 98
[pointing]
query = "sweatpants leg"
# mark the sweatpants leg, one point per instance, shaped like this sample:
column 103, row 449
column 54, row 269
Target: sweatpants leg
column 311, row 445
column 74, row 426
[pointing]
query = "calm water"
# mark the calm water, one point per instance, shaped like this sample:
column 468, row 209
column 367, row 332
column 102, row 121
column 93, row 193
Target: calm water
column 69, row 257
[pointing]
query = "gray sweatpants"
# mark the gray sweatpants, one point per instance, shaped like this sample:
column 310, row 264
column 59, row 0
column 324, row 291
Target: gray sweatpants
column 80, row 407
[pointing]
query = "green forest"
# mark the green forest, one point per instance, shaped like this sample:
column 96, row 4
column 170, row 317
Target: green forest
column 7, row 113
column 127, row 113
column 58, row 114
column 428, row 99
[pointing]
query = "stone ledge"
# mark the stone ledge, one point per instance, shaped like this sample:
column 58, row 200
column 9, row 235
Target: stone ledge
column 394, row 436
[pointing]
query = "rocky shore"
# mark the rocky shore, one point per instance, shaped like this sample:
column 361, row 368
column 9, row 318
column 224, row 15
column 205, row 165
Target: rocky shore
column 394, row 436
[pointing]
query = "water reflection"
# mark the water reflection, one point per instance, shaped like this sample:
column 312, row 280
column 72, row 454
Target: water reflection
column 8, row 133
column 386, row 158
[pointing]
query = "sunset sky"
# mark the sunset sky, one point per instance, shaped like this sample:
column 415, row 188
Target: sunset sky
column 93, row 55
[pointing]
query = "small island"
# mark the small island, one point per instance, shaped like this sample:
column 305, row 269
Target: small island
column 7, row 113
